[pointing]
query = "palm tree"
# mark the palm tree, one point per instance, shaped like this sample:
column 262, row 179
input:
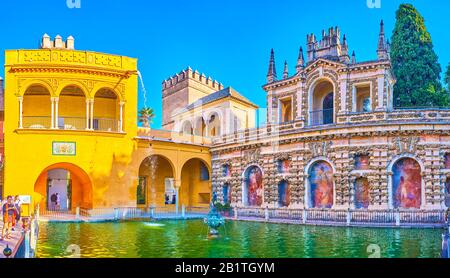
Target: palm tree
column 146, row 116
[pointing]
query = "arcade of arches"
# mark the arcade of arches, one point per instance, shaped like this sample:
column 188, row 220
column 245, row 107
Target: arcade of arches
column 406, row 185
column 158, row 187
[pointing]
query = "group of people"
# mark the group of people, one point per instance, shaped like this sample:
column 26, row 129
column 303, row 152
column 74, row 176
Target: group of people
column 11, row 215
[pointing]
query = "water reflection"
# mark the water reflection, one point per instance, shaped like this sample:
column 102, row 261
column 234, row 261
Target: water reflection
column 187, row 239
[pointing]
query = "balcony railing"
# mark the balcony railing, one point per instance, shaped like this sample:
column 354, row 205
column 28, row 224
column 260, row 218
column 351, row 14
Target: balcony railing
column 37, row 122
column 70, row 123
column 321, row 117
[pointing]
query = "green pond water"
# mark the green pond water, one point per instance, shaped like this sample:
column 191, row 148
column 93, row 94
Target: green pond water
column 188, row 239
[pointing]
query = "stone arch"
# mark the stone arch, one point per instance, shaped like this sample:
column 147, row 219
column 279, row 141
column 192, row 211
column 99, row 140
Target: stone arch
column 320, row 189
column 214, row 124
column 406, row 185
column 37, row 107
column 72, row 83
column 154, row 172
column 100, row 86
column 187, row 128
column 253, row 186
column 195, row 183
column 35, row 82
column 70, row 181
column 200, row 126
column 316, row 113
column 72, row 108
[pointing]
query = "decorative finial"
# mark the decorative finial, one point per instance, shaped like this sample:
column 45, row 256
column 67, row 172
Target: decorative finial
column 382, row 51
column 286, row 70
column 300, row 60
column 353, row 57
column 272, row 73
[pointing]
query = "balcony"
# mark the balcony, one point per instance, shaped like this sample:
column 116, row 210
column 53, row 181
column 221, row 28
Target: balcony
column 70, row 123
column 321, row 117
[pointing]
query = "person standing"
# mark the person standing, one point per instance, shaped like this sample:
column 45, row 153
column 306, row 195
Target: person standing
column 18, row 204
column 9, row 210
column 58, row 202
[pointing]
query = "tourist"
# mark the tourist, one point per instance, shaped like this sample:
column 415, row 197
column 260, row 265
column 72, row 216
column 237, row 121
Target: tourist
column 9, row 210
column 18, row 204
column 58, row 202
column 53, row 201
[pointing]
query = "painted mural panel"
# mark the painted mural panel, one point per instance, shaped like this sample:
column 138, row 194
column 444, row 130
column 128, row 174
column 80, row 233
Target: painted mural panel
column 283, row 166
column 254, row 186
column 284, row 198
column 362, row 197
column 321, row 185
column 407, row 183
column 362, row 162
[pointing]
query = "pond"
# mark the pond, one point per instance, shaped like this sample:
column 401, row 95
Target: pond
column 188, row 239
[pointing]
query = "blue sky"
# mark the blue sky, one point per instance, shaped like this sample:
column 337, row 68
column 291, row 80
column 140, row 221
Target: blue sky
column 229, row 40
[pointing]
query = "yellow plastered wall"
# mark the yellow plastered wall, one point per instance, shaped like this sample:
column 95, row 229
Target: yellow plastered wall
column 109, row 160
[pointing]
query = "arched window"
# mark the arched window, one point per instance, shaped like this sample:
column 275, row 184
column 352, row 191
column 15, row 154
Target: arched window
column 284, row 198
column 187, row 129
column 321, row 185
column 322, row 103
column 37, row 107
column 407, row 184
column 226, row 170
column 253, row 187
column 362, row 193
column 214, row 125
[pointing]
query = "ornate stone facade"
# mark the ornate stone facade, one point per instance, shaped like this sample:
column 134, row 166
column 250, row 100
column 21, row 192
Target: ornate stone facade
column 343, row 110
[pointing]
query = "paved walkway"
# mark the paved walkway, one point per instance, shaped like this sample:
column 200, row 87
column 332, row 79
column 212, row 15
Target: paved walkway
column 13, row 243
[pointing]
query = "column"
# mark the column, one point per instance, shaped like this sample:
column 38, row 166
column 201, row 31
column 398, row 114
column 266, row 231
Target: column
column 121, row 117
column 20, row 112
column 57, row 112
column 92, row 114
column 52, row 122
column 87, row 113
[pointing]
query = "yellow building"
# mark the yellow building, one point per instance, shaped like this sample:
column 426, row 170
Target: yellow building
column 71, row 128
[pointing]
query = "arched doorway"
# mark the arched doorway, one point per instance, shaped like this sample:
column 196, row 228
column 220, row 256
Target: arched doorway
column 321, row 185
column 362, row 193
column 156, row 185
column 253, row 193
column 321, row 103
column 284, row 198
column 195, row 190
column 67, row 181
column 407, row 184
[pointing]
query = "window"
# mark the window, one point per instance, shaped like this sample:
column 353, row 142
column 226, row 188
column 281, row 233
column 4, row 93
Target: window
column 226, row 170
column 286, row 110
column 362, row 102
column 204, row 172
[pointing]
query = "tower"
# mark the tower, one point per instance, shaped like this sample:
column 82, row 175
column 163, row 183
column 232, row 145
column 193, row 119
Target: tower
column 183, row 89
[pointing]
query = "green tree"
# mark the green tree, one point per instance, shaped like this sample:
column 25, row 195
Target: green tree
column 414, row 62
column 447, row 77
column 146, row 116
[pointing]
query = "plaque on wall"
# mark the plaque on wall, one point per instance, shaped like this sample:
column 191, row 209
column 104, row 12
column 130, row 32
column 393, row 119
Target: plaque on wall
column 64, row 148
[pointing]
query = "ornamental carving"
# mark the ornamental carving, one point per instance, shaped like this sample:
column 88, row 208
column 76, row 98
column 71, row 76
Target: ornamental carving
column 320, row 148
column 406, row 144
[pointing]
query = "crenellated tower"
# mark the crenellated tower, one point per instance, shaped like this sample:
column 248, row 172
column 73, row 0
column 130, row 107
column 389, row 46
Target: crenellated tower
column 183, row 89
